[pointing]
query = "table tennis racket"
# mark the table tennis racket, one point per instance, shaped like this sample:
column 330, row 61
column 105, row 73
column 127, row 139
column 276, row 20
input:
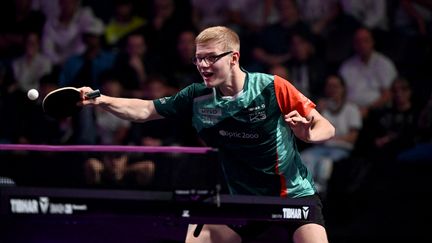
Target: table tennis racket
column 62, row 102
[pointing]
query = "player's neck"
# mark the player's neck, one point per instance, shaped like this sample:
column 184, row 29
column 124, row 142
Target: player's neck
column 234, row 84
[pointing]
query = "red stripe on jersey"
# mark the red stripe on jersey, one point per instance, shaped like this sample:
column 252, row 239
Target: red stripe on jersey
column 283, row 188
column 289, row 98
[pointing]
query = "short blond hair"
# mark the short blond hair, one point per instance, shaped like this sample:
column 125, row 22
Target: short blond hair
column 224, row 36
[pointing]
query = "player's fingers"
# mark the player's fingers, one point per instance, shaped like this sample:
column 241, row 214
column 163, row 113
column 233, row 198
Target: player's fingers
column 293, row 113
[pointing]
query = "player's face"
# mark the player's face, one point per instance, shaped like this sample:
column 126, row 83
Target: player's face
column 213, row 63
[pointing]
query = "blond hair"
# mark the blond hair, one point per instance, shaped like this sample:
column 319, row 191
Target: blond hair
column 227, row 38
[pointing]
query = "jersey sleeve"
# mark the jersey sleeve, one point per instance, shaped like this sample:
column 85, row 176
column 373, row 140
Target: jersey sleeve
column 289, row 98
column 176, row 106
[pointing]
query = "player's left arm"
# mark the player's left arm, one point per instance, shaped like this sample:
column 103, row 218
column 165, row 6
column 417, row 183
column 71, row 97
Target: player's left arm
column 312, row 128
column 300, row 113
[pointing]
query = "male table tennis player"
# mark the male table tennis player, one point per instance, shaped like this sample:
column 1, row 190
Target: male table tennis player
column 252, row 118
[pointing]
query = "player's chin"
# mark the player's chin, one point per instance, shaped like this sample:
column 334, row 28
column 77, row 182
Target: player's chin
column 209, row 84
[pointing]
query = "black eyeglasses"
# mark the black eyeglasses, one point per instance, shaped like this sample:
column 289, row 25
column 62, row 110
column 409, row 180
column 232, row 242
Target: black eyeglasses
column 209, row 60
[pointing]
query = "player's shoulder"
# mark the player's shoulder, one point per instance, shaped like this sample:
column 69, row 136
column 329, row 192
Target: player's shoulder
column 195, row 89
column 259, row 78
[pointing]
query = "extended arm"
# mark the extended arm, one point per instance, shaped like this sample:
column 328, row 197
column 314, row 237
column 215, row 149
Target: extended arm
column 313, row 128
column 136, row 110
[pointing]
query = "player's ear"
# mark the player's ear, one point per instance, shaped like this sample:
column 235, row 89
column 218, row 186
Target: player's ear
column 235, row 57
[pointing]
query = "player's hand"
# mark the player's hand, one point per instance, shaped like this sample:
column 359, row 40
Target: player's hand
column 299, row 124
column 84, row 100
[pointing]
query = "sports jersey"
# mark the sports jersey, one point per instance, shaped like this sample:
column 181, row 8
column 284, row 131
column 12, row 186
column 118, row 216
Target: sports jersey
column 257, row 148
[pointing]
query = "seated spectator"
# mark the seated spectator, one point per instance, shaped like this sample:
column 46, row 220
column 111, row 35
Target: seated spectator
column 307, row 70
column 118, row 170
column 38, row 128
column 123, row 22
column 17, row 18
column 84, row 69
column 167, row 20
column 368, row 74
column 62, row 36
column 164, row 132
column 11, row 103
column 208, row 13
column 111, row 129
column 421, row 151
column 32, row 66
column 182, row 71
column 345, row 116
column 336, row 33
column 371, row 13
column 272, row 44
column 133, row 64
column 280, row 70
column 389, row 130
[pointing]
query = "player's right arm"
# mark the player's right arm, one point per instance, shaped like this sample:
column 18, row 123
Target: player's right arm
column 137, row 110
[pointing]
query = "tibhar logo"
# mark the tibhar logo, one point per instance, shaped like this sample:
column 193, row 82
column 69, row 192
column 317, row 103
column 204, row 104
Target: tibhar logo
column 305, row 211
column 24, row 206
column 185, row 214
column 295, row 213
column 43, row 204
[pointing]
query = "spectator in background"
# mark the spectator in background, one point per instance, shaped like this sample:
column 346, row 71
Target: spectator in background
column 390, row 130
column 368, row 74
column 84, row 69
column 208, row 13
column 248, row 18
column 11, row 104
column 32, row 65
column 280, row 70
column 38, row 128
column 118, row 170
column 336, row 33
column 62, row 36
column 49, row 8
column 272, row 46
column 423, row 147
column 346, row 117
column 371, row 13
column 251, row 16
column 133, row 65
column 123, row 22
column 307, row 71
column 413, row 18
column 165, row 24
column 111, row 129
column 316, row 13
column 155, row 133
column 17, row 18
column 182, row 71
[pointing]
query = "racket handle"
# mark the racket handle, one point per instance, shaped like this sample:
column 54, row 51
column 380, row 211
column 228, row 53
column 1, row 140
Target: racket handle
column 197, row 230
column 93, row 94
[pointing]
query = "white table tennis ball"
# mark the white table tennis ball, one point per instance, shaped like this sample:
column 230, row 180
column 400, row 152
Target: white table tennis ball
column 33, row 94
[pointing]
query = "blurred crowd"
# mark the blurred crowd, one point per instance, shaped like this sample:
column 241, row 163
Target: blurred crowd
column 364, row 63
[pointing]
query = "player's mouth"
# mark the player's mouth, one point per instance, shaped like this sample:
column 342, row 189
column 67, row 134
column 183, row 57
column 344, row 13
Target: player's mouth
column 207, row 75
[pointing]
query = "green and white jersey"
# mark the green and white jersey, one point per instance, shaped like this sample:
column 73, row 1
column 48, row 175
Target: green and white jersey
column 258, row 150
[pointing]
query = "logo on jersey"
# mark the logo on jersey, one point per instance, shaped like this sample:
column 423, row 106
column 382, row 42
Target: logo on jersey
column 257, row 113
column 210, row 111
column 163, row 100
column 241, row 135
